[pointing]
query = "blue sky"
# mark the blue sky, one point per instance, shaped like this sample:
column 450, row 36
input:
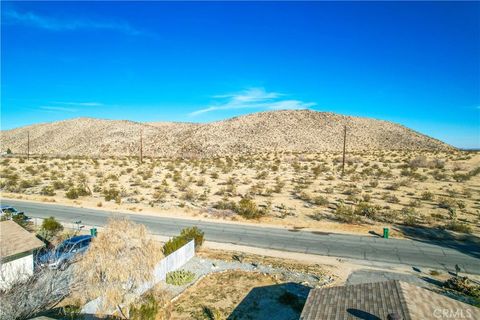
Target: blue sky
column 415, row 63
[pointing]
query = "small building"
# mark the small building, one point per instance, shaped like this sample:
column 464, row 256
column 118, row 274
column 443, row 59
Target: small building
column 395, row 300
column 17, row 247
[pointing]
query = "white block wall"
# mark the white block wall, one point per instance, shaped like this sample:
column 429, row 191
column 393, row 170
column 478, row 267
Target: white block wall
column 15, row 270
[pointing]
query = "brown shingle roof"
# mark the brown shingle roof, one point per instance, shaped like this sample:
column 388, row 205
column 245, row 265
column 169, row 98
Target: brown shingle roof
column 14, row 239
column 376, row 300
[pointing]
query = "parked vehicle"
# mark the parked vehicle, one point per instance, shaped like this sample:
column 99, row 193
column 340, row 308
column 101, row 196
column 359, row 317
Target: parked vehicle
column 9, row 212
column 65, row 253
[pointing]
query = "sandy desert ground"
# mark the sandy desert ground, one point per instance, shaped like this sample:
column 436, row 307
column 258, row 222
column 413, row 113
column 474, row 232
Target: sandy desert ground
column 406, row 188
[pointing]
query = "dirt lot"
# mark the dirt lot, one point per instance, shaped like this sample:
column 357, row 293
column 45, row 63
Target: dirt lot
column 294, row 190
column 237, row 295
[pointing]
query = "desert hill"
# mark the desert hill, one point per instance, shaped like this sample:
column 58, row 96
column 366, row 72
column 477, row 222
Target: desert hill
column 286, row 130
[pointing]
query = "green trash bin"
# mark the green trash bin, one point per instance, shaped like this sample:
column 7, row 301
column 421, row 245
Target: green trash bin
column 93, row 232
column 385, row 233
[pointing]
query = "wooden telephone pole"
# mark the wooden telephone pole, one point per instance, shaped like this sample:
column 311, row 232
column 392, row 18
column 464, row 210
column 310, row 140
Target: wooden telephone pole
column 344, row 148
column 141, row 146
column 28, row 145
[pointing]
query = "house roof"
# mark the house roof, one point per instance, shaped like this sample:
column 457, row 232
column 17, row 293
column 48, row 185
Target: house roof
column 14, row 239
column 377, row 300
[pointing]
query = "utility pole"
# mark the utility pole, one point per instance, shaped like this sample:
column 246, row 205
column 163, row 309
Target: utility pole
column 28, row 145
column 141, row 146
column 344, row 147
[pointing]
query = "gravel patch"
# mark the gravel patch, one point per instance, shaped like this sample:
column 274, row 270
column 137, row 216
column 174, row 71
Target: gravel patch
column 204, row 266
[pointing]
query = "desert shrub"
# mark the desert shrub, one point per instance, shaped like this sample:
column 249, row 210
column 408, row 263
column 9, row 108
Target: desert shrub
column 147, row 310
column 51, row 227
column 279, row 185
column 391, row 198
column 111, row 193
column 474, row 172
column 225, row 204
column 319, row 169
column 262, row 175
column 415, row 203
column 463, row 285
column 427, row 196
column 57, row 184
column 72, row 193
column 193, row 233
column 25, row 184
column 160, row 195
column 437, row 164
column 446, row 203
column 212, row 313
column 458, row 227
column 409, row 216
column 367, row 210
column 189, row 195
column 48, row 191
column 248, row 209
column 394, row 186
column 346, row 214
column 320, row 201
column 439, row 175
column 201, row 182
column 83, row 190
column 418, row 162
column 460, row 177
column 179, row 277
column 373, row 183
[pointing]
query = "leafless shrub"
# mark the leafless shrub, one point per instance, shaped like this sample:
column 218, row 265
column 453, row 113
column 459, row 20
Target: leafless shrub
column 118, row 262
column 40, row 292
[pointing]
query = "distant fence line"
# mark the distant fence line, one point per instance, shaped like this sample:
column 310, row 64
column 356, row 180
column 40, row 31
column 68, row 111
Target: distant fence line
column 170, row 263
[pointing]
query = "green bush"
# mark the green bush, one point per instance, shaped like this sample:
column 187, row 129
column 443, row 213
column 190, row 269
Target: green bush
column 173, row 245
column 193, row 233
column 72, row 193
column 51, row 226
column 186, row 235
column 248, row 209
column 180, row 277
column 48, row 191
column 346, row 214
column 25, row 184
column 111, row 193
column 147, row 310
column 366, row 210
column 320, row 201
column 225, row 205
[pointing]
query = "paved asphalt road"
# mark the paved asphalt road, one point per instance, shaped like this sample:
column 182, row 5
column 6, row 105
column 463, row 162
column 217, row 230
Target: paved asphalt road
column 439, row 255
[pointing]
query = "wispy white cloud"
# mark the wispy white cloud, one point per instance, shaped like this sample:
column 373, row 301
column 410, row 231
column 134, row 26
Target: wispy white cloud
column 59, row 109
column 80, row 104
column 254, row 98
column 12, row 16
column 69, row 106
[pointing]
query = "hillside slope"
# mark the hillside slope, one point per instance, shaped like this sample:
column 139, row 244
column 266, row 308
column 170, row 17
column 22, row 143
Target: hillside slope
column 289, row 130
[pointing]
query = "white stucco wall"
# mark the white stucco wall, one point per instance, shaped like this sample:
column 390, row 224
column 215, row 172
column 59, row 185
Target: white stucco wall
column 16, row 269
